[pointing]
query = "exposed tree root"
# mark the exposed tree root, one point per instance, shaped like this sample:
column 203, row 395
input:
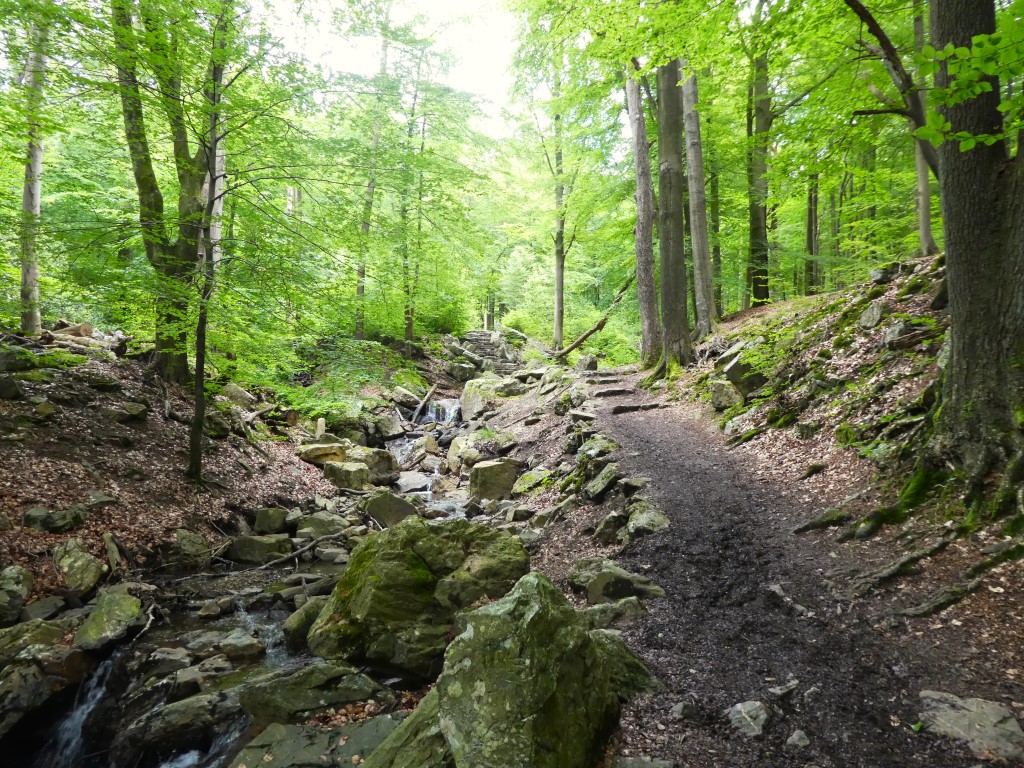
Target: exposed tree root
column 866, row 582
column 830, row 518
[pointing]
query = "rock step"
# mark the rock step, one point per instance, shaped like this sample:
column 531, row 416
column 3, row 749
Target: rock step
column 615, row 392
column 632, row 407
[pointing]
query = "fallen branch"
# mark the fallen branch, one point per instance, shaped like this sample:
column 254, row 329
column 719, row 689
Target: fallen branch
column 279, row 561
column 562, row 353
column 423, row 402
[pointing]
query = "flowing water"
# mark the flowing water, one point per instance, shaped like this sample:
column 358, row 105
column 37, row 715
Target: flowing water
column 66, row 749
column 223, row 747
column 443, row 412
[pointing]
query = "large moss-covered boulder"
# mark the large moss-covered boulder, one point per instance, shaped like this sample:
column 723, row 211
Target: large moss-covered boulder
column 526, row 685
column 259, row 549
column 493, row 479
column 289, row 696
column 308, row 746
column 14, row 640
column 386, row 508
column 320, row 454
column 478, row 393
column 15, row 587
column 396, row 602
column 381, row 464
column 37, row 672
column 347, row 474
column 112, row 618
column 81, row 571
column 296, row 626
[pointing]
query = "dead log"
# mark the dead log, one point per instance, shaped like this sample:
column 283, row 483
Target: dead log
column 423, row 402
column 562, row 353
column 82, row 330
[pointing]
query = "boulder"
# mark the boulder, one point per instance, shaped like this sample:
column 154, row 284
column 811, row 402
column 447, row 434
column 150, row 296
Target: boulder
column 644, row 518
column 989, row 728
column 51, row 521
column 81, row 571
column 531, row 481
column 461, row 371
column 347, row 474
column 597, row 446
column 112, row 618
column 396, row 602
column 236, row 395
column 381, row 464
column 462, row 452
column 43, row 608
column 885, row 274
column 296, row 626
column 600, row 485
column 385, row 508
column 258, row 549
column 586, row 363
column 874, row 314
column 417, row 742
column 16, row 639
column 271, row 520
column 15, row 587
column 621, row 613
column 306, row 746
column 237, row 644
column 39, row 673
column 724, row 395
column 605, row 582
column 607, row 531
column 526, row 685
column 321, row 453
column 731, row 354
column 405, row 398
column 320, row 524
column 493, row 479
column 476, row 397
column 10, row 389
column 290, row 695
column 744, row 377
column 388, row 425
column 187, row 548
column 15, row 359
column 749, row 717
column 413, row 482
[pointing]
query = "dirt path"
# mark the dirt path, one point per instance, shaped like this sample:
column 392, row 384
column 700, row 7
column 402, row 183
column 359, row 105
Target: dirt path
column 722, row 636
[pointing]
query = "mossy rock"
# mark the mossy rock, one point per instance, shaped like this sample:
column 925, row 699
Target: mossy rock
column 111, row 620
column 411, row 381
column 59, row 358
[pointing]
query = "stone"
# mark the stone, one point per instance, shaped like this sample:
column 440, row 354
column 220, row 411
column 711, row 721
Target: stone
column 641, row 762
column 50, row 521
column 874, row 314
column 81, row 571
column 461, row 371
column 15, row 587
column 236, row 395
column 605, row 582
column 989, row 729
column 110, row 621
column 14, row 640
column 187, row 548
column 10, row 389
column 385, row 508
column 798, row 740
column 586, row 363
column 530, row 653
column 417, row 742
column 530, row 481
column 885, row 274
column 902, row 335
column 271, row 520
column 644, row 518
column 724, row 395
column 493, row 479
column 617, row 614
column 290, row 695
column 749, row 717
column 297, row 626
column 731, row 354
column 43, row 608
column 462, row 453
column 607, row 531
column 381, row 464
column 581, row 417
column 351, row 475
column 305, row 746
column 319, row 454
column 413, row 482
column 23, row 688
column 15, row 359
column 389, row 425
column 396, row 602
column 258, row 549
column 597, row 446
column 600, row 485
column 129, row 412
column 405, row 398
column 744, row 377
column 321, row 524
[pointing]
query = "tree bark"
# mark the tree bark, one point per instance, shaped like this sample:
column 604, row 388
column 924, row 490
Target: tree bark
column 759, row 124
column 981, row 189
column 559, row 171
column 703, row 281
column 813, row 282
column 35, row 72
column 674, row 325
column 924, row 181
column 647, row 291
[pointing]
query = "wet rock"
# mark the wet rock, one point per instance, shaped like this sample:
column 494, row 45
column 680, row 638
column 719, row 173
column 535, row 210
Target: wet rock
column 396, row 602
column 283, row 697
column 81, row 571
column 493, row 479
column 644, row 518
column 874, row 314
column 298, row 746
column 385, row 508
column 271, row 520
column 988, row 728
column 412, row 482
column 164, row 661
column 600, row 485
column 296, row 627
column 749, row 717
column 258, row 549
column 110, row 621
column 529, row 653
column 319, row 454
column 51, row 521
column 34, row 676
column 724, row 394
column 15, row 587
column 237, row 644
column 605, row 582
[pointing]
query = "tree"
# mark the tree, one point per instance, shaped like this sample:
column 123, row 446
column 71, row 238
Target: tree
column 647, row 292
column 33, row 77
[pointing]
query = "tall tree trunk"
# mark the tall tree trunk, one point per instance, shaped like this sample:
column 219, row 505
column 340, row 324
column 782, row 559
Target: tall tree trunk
column 716, row 242
column 674, row 325
column 703, row 279
column 981, row 190
column 646, row 288
column 924, row 181
column 758, row 126
column 410, row 271
column 812, row 265
column 558, row 170
column 210, row 229
column 35, row 72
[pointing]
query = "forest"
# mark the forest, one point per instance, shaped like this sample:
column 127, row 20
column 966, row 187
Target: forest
column 291, row 290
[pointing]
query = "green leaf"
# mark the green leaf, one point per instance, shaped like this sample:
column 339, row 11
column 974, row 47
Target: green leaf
column 968, row 144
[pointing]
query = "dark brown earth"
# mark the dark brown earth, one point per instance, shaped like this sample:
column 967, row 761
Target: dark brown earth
column 721, row 636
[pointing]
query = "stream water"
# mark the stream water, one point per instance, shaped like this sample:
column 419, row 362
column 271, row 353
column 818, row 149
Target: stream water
column 66, row 748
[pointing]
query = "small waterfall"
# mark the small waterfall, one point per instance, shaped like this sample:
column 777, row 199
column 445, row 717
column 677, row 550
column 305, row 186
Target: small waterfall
column 268, row 631
column 221, row 747
column 443, row 412
column 65, row 751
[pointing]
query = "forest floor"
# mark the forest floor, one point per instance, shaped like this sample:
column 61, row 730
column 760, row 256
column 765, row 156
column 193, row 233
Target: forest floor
column 751, row 607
